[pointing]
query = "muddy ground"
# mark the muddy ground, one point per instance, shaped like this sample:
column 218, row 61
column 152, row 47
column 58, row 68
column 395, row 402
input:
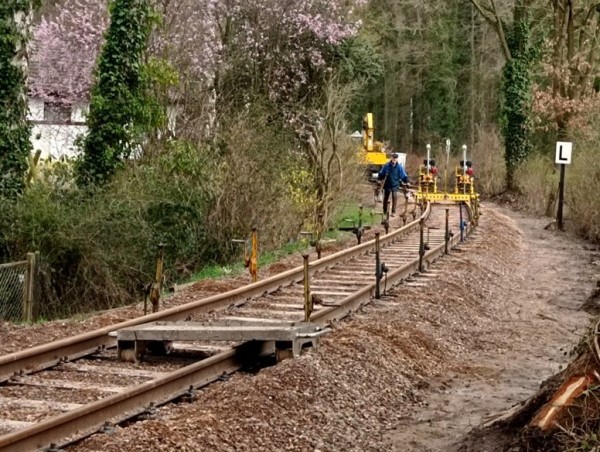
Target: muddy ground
column 413, row 372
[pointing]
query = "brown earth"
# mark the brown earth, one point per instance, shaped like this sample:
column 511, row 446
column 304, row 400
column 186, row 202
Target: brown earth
column 414, row 372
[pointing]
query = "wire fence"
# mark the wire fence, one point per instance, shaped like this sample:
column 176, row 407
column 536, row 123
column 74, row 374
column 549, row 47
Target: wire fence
column 12, row 288
column 19, row 289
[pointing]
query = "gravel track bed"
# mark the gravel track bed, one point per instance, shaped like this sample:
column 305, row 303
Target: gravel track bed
column 370, row 373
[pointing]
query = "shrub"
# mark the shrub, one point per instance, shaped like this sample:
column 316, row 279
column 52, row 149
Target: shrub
column 488, row 163
column 582, row 210
column 537, row 181
column 98, row 249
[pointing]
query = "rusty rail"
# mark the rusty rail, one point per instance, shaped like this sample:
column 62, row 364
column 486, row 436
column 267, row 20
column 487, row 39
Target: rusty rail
column 47, row 355
column 87, row 419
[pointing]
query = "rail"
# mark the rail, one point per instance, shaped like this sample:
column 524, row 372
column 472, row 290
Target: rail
column 88, row 418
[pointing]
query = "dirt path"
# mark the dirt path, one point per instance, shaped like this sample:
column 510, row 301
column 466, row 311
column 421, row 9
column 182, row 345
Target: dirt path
column 553, row 277
column 415, row 371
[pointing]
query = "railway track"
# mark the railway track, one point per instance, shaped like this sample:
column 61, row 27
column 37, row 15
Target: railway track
column 62, row 391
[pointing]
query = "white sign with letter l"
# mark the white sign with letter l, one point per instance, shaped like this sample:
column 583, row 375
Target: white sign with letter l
column 563, row 152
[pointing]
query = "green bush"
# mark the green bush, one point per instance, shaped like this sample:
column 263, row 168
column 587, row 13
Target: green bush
column 99, row 248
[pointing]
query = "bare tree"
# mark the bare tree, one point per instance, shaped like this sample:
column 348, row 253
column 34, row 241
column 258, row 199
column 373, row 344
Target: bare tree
column 330, row 153
column 576, row 28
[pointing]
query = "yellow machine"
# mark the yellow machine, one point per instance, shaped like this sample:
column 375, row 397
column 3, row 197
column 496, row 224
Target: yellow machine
column 372, row 153
column 464, row 188
column 465, row 182
column 427, row 175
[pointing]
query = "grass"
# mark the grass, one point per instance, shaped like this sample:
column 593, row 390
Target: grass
column 216, row 271
column 350, row 215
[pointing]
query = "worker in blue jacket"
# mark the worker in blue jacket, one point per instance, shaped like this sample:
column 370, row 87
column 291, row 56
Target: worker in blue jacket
column 392, row 174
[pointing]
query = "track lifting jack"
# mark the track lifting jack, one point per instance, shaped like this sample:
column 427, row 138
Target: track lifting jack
column 308, row 299
column 448, row 234
column 313, row 242
column 359, row 230
column 251, row 260
column 380, row 268
column 153, row 290
column 385, row 220
column 421, row 244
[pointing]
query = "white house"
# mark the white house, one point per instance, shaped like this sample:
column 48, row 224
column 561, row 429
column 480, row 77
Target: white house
column 56, row 127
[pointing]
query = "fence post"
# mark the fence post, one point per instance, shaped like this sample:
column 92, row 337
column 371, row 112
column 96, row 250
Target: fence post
column 37, row 289
column 28, row 288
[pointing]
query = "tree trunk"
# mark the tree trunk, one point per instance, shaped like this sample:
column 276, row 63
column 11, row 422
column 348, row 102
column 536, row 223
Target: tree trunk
column 15, row 144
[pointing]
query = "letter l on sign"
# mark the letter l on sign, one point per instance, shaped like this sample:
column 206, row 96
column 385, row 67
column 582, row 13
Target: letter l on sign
column 563, row 152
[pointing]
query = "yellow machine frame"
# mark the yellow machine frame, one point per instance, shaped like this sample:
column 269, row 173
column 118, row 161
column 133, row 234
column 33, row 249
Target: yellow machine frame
column 373, row 152
column 464, row 189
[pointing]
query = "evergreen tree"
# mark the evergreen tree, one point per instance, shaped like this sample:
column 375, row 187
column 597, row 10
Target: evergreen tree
column 119, row 108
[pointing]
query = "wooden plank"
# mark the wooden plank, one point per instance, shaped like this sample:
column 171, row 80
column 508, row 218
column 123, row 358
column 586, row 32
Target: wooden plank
column 45, row 405
column 8, row 425
column 256, row 320
column 62, row 384
column 186, row 331
column 324, row 293
column 345, row 281
column 331, row 287
column 105, row 370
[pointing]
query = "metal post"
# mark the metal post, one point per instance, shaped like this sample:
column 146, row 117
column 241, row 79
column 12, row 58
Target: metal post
column 561, row 198
column 464, row 148
column 377, row 267
column 319, row 232
column 253, row 265
column 156, row 285
column 386, row 221
column 421, row 244
column 462, row 224
column 447, row 234
column 308, row 303
column 28, row 288
column 359, row 231
column 37, row 290
column 446, row 168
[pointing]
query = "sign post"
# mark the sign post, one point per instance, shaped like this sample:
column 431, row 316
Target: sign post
column 446, row 169
column 563, row 158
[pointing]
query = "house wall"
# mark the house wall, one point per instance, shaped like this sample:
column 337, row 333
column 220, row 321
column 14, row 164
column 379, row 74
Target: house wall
column 56, row 127
column 55, row 136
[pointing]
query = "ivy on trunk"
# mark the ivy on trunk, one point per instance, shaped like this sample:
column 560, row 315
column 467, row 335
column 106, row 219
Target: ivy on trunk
column 120, row 108
column 516, row 102
column 15, row 131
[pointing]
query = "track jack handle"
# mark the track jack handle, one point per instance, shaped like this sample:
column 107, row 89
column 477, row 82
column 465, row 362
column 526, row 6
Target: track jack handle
column 308, row 299
column 251, row 258
column 423, row 243
column 359, row 230
column 313, row 242
column 153, row 291
column 380, row 268
column 385, row 219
